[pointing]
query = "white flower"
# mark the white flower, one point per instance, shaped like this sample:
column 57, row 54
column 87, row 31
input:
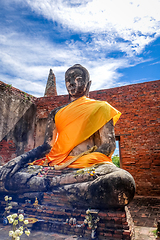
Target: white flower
column 14, row 235
column 10, row 198
column 6, row 198
column 17, row 232
column 87, row 217
column 10, row 220
column 21, row 217
column 21, row 228
column 27, row 232
column 14, row 215
column 9, row 217
column 88, row 211
column 89, row 224
column 26, row 222
column 11, row 233
column 85, row 221
column 17, row 238
column 21, row 232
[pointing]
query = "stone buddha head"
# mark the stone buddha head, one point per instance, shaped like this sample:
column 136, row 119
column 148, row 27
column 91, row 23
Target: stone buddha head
column 77, row 81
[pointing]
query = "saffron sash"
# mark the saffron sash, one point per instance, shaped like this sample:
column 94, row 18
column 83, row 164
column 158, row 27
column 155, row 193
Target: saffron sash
column 74, row 124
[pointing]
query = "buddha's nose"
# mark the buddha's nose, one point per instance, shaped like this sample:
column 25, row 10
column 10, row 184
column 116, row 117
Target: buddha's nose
column 72, row 81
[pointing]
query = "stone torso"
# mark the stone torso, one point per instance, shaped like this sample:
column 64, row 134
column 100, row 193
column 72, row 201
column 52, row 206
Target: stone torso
column 84, row 146
column 103, row 135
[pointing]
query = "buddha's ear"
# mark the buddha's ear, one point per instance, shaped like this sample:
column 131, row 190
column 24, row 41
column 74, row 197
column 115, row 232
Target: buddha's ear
column 87, row 88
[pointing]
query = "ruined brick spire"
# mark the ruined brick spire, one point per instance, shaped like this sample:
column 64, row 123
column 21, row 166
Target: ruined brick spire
column 51, row 85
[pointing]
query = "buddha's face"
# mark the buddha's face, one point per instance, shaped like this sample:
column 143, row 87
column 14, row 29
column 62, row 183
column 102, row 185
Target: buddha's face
column 76, row 82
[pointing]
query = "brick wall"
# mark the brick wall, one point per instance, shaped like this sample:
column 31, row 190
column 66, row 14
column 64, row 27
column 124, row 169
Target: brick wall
column 137, row 129
column 139, row 132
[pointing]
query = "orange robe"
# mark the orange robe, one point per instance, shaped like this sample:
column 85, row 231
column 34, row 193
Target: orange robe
column 74, row 124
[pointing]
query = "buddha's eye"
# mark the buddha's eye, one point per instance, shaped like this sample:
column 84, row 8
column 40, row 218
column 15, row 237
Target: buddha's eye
column 79, row 78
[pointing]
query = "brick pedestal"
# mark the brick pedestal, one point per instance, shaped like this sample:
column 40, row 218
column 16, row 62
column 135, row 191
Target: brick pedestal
column 52, row 213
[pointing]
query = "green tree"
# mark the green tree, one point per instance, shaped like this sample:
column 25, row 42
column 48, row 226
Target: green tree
column 116, row 160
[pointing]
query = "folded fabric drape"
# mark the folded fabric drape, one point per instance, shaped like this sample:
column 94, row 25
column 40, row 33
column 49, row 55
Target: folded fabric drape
column 74, row 124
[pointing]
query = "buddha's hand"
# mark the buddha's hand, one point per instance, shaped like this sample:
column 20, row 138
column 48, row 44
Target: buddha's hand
column 23, row 160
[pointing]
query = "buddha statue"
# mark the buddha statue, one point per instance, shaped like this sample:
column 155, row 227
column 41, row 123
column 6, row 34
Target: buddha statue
column 79, row 141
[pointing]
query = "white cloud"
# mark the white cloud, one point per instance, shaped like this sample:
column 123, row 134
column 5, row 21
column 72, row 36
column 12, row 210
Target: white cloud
column 100, row 14
column 28, row 62
column 114, row 18
column 104, row 73
column 31, row 58
column 114, row 25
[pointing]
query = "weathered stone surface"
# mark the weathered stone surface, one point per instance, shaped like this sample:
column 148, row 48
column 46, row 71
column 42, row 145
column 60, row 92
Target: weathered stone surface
column 108, row 187
column 14, row 104
column 109, row 190
column 10, row 169
column 17, row 122
column 25, row 182
column 83, row 175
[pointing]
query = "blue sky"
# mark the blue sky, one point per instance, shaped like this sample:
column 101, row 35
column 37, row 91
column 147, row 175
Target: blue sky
column 118, row 41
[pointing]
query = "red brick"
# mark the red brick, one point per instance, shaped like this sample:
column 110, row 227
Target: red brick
column 112, row 214
column 118, row 236
column 101, row 233
column 59, row 213
column 49, row 212
column 121, row 215
column 108, row 234
column 101, row 225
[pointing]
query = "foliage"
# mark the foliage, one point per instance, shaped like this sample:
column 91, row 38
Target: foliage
column 8, row 86
column 155, row 232
column 27, row 97
column 30, row 97
column 116, row 160
column 91, row 219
